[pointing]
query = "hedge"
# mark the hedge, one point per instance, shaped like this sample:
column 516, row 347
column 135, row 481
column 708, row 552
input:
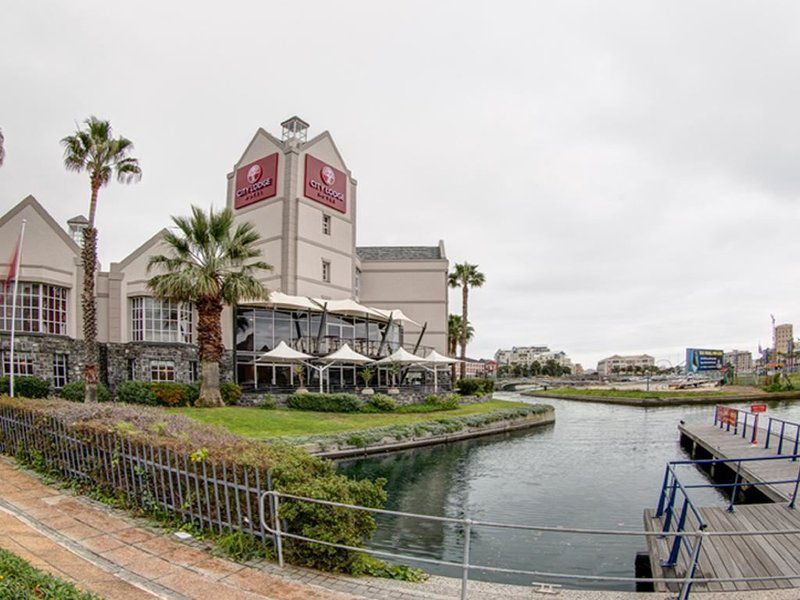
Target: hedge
column 25, row 385
column 475, row 386
column 138, row 430
column 319, row 402
column 74, row 392
column 170, row 393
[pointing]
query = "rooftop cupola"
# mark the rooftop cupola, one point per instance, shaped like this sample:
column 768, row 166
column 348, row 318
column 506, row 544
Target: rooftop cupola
column 77, row 225
column 294, row 128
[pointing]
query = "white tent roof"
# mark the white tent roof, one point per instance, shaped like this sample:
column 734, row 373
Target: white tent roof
column 350, row 307
column 435, row 358
column 282, row 353
column 285, row 301
column 403, row 357
column 397, row 315
column 345, row 354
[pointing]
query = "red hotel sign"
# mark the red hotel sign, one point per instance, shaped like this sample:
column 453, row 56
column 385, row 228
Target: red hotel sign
column 325, row 184
column 256, row 181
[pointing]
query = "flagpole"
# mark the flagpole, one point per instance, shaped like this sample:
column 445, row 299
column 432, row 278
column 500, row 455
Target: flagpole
column 12, row 365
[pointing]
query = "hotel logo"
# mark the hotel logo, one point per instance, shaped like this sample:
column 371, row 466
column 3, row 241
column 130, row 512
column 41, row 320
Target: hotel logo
column 256, row 181
column 325, row 184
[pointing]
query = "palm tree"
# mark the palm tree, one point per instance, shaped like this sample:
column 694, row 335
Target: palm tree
column 210, row 264
column 96, row 151
column 465, row 276
column 454, row 329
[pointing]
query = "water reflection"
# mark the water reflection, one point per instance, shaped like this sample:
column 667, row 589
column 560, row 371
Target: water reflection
column 599, row 466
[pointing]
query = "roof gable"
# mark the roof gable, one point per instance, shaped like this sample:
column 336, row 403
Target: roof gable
column 30, row 201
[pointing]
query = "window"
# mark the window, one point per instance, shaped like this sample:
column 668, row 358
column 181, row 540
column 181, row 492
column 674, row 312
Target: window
column 131, row 369
column 326, row 271
column 326, row 224
column 155, row 320
column 23, row 363
column 162, row 370
column 41, row 308
column 357, row 286
column 194, row 371
column 60, row 370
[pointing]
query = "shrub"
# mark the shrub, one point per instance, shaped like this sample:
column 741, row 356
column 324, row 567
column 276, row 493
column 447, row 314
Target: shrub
column 268, row 402
column 18, row 579
column 192, row 391
column 74, row 392
column 169, row 393
column 231, row 392
column 382, row 403
column 136, row 392
column 319, row 402
column 26, row 386
column 475, row 386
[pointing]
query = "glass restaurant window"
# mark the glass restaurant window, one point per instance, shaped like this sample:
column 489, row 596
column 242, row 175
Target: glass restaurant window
column 155, row 320
column 41, row 308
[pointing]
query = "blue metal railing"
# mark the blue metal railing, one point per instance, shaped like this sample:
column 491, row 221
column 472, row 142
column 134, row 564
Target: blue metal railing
column 674, row 499
column 742, row 419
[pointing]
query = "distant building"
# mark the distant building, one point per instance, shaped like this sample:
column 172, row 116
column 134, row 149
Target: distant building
column 578, row 369
column 527, row 355
column 480, row 367
column 742, row 361
column 784, row 339
column 618, row 363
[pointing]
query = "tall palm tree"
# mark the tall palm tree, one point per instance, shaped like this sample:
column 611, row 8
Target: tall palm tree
column 96, row 151
column 454, row 336
column 210, row 264
column 465, row 276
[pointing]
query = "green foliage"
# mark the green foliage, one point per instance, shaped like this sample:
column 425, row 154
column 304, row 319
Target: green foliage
column 268, row 402
column 382, row 403
column 170, row 393
column 778, row 383
column 136, row 392
column 432, row 403
column 231, row 392
column 320, row 402
column 240, row 547
column 26, row 386
column 19, row 580
column 365, row 564
column 73, row 392
column 475, row 386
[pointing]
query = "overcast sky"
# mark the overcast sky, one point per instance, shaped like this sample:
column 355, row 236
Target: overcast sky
column 626, row 174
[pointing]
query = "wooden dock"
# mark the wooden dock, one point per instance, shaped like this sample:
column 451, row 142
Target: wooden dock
column 737, row 556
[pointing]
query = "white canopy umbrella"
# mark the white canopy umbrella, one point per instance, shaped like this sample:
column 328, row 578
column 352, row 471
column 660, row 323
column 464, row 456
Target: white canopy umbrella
column 284, row 354
column 351, row 308
column 397, row 315
column 344, row 355
column 436, row 359
column 401, row 356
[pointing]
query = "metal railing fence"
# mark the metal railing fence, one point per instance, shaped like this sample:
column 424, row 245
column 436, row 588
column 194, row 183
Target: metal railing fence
column 728, row 417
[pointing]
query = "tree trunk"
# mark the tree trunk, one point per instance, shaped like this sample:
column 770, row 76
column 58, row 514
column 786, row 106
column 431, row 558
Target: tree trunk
column 89, row 305
column 209, row 334
column 464, row 325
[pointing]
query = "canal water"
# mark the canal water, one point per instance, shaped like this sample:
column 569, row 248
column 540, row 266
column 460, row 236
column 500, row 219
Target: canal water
column 599, row 466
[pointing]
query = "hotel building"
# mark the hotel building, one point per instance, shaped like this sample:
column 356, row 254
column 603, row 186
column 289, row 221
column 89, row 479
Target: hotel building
column 616, row 363
column 325, row 290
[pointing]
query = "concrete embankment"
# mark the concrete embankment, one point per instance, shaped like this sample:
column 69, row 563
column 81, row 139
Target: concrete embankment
column 683, row 400
column 391, row 444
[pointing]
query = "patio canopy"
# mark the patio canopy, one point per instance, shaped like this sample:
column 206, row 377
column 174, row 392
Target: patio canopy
column 350, row 308
column 284, row 354
column 434, row 358
column 397, row 315
column 345, row 354
column 281, row 300
column 401, row 356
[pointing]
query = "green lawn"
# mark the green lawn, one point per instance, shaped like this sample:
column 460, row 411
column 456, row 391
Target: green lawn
column 261, row 423
column 570, row 391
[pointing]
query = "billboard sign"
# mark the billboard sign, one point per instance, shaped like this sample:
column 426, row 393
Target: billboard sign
column 256, row 181
column 698, row 360
column 325, row 184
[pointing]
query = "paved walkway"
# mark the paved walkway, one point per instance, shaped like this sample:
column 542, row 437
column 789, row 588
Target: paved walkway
column 109, row 555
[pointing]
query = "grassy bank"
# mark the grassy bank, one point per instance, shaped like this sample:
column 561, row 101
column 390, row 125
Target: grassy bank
column 634, row 394
column 18, row 579
column 263, row 424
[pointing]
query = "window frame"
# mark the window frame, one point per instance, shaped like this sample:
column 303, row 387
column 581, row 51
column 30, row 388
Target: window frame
column 326, row 271
column 327, row 224
column 161, row 368
column 160, row 321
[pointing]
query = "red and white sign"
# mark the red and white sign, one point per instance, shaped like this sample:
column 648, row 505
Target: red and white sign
column 325, row 184
column 727, row 416
column 758, row 408
column 256, row 181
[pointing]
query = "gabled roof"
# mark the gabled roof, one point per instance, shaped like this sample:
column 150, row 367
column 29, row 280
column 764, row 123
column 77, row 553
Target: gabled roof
column 399, row 252
column 30, row 201
column 142, row 249
column 326, row 135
